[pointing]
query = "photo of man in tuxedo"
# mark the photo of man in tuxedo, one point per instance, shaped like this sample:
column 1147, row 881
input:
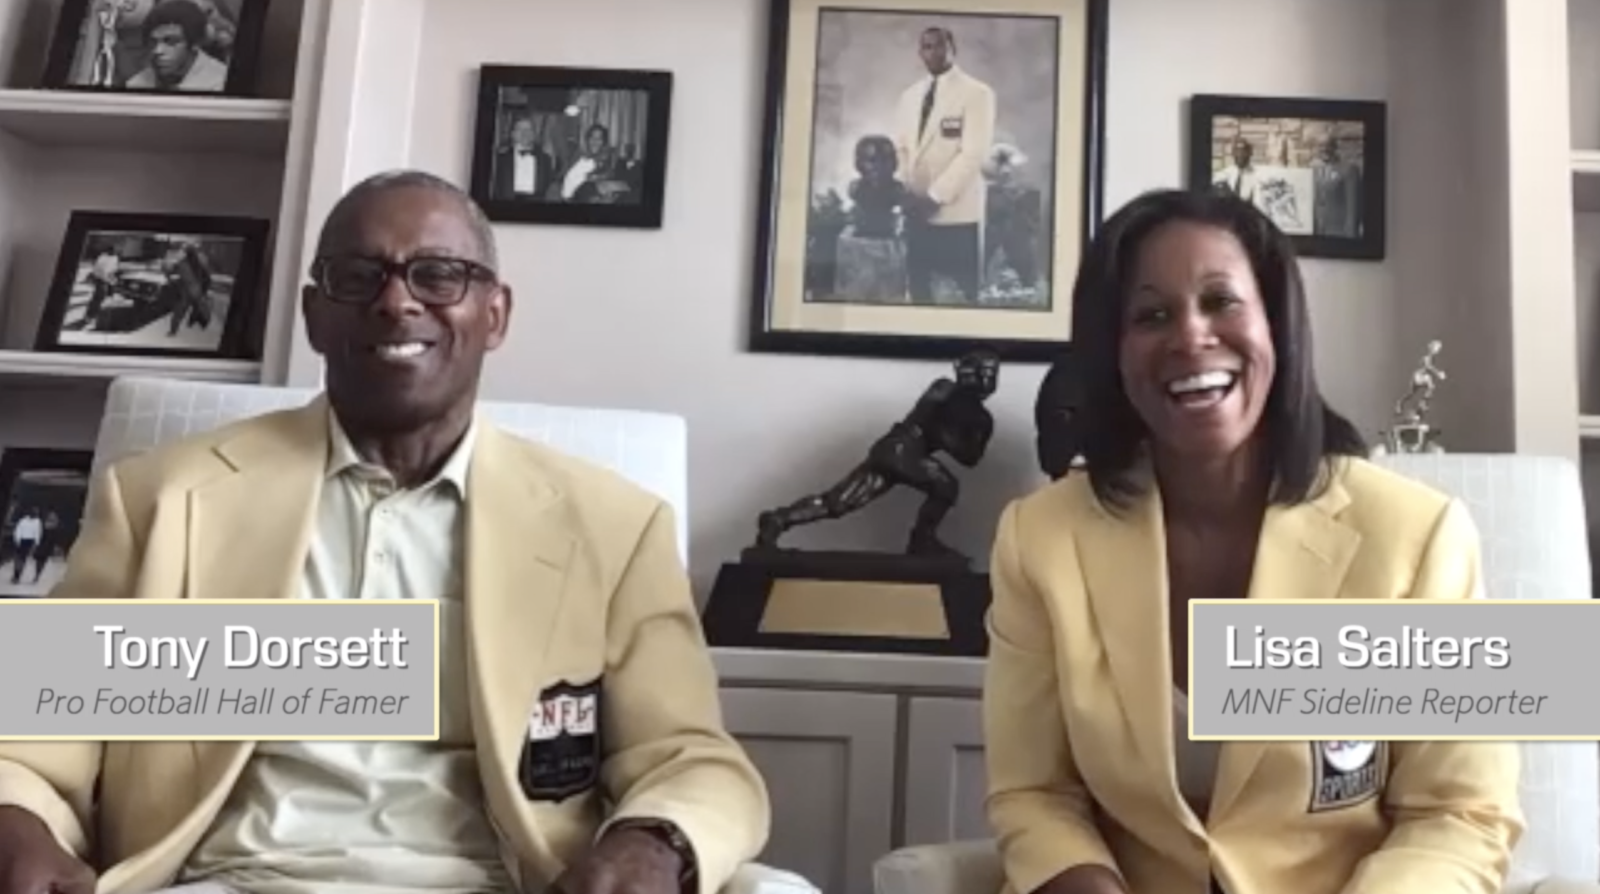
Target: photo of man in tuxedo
column 944, row 129
column 522, row 170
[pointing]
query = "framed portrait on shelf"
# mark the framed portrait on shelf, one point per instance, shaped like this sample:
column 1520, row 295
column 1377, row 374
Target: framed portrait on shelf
column 931, row 172
column 42, row 495
column 577, row 146
column 1317, row 167
column 187, row 47
column 169, row 285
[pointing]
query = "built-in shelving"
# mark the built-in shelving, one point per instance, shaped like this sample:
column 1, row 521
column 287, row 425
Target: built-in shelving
column 1581, row 23
column 52, row 365
column 1583, row 74
column 1586, row 182
column 135, row 122
column 64, row 151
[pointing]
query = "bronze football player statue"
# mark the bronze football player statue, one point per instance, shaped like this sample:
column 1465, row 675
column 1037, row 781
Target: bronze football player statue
column 949, row 418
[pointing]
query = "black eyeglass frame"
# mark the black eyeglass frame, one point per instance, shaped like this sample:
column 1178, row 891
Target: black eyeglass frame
column 473, row 272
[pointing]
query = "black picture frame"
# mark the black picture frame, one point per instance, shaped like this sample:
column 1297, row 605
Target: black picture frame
column 1299, row 126
column 62, row 491
column 68, row 62
column 240, row 241
column 640, row 161
column 1072, row 206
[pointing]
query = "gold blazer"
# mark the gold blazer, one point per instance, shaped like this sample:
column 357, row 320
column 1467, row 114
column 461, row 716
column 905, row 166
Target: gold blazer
column 1078, row 708
column 571, row 574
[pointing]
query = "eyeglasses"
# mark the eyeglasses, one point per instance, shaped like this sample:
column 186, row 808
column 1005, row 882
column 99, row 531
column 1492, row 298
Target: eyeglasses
column 438, row 282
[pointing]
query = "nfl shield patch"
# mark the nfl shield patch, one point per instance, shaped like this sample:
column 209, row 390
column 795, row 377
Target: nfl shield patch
column 562, row 755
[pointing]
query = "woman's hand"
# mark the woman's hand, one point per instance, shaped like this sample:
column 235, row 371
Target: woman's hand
column 1085, row 879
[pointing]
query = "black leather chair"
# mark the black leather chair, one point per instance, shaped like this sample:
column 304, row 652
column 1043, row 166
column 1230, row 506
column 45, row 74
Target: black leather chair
column 1055, row 417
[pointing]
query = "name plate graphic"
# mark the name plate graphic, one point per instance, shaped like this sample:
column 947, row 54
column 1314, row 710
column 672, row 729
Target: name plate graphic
column 1395, row 669
column 132, row 669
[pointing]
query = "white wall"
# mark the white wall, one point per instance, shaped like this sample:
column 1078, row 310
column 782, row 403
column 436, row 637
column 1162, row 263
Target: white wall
column 656, row 320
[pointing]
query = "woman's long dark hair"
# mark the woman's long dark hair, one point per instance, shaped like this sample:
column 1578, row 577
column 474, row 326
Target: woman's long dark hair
column 1303, row 432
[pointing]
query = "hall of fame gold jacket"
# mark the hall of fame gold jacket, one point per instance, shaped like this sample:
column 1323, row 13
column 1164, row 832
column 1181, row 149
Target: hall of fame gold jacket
column 571, row 575
column 1079, row 720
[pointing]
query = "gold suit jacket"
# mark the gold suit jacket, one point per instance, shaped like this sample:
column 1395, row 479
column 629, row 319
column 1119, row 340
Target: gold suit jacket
column 571, row 575
column 1079, row 722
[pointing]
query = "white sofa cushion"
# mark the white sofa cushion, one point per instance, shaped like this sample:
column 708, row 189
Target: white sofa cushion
column 755, row 878
column 961, row 867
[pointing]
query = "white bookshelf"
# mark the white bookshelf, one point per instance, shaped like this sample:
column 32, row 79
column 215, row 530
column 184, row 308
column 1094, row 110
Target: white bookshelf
column 146, row 123
column 24, row 365
column 62, row 151
column 1586, row 174
column 1583, row 34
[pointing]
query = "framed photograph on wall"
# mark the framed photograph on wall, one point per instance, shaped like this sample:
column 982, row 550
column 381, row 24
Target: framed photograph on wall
column 1317, row 167
column 579, row 146
column 931, row 173
column 173, row 285
column 42, row 495
column 199, row 47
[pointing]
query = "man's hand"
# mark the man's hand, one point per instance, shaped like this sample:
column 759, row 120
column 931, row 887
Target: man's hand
column 625, row 861
column 31, row 862
column 919, row 206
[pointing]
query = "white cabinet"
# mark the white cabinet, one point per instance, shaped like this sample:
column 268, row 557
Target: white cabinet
column 861, row 755
column 829, row 762
column 945, row 779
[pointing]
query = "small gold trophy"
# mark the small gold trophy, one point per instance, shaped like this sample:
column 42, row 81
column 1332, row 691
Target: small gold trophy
column 1411, row 432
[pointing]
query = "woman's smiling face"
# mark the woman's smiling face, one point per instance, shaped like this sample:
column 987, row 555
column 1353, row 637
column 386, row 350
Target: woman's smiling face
column 1196, row 356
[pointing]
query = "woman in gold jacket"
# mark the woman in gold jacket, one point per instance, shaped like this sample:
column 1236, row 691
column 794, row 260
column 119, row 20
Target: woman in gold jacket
column 1215, row 469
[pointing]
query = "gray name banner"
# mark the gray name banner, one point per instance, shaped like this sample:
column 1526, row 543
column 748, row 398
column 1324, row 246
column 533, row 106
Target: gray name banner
column 1394, row 669
column 278, row 669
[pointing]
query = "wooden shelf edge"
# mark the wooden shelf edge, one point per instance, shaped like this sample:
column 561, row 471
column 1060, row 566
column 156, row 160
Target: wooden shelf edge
column 1589, row 428
column 1586, row 161
column 130, row 105
column 40, row 364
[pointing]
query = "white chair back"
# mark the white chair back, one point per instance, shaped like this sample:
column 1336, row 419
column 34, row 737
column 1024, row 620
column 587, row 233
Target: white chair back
column 649, row 449
column 1530, row 515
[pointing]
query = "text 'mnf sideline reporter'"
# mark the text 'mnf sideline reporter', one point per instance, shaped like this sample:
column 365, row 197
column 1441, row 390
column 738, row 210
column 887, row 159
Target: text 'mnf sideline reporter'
column 555, row 578
column 1215, row 470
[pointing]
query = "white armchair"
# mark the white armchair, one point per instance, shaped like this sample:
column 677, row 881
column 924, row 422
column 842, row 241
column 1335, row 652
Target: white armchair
column 650, row 449
column 1530, row 513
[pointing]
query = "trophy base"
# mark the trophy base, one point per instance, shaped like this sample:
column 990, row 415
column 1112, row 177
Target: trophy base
column 859, row 602
column 1412, row 437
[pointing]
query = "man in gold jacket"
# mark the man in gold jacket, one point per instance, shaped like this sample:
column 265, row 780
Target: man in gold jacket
column 556, row 580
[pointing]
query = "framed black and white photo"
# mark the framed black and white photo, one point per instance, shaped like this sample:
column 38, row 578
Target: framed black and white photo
column 199, row 47
column 173, row 285
column 42, row 494
column 1317, row 167
column 930, row 175
column 577, row 146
